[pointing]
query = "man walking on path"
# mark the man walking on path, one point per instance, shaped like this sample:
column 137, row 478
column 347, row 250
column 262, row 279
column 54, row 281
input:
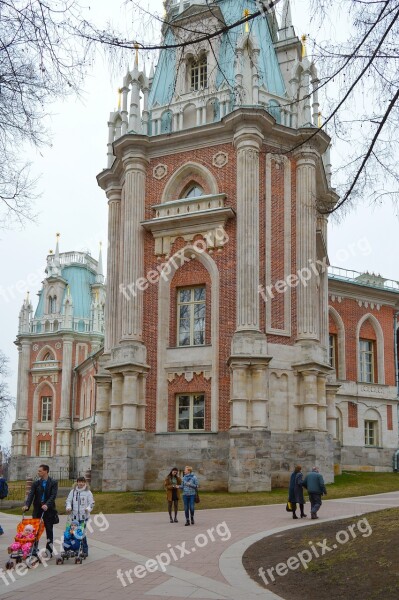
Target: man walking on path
column 314, row 483
column 43, row 494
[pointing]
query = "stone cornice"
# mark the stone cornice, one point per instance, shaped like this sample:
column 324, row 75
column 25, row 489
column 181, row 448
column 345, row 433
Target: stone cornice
column 212, row 134
column 362, row 292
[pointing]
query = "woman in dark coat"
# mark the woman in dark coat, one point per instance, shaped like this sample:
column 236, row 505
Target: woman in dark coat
column 295, row 493
column 172, row 483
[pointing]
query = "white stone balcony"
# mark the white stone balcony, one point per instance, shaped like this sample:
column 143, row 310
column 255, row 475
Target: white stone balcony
column 187, row 217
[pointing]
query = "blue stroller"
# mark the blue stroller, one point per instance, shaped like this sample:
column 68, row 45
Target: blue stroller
column 74, row 542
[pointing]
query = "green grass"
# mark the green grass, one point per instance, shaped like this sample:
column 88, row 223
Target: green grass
column 346, row 485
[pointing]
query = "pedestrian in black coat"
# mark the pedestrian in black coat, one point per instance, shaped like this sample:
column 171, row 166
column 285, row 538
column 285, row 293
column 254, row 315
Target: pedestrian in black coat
column 43, row 494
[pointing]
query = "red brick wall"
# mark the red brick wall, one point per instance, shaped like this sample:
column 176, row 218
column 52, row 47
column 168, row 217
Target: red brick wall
column 351, row 313
column 352, row 415
column 389, row 417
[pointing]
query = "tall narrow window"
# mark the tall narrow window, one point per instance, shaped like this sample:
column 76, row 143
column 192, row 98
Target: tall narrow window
column 366, row 360
column 52, row 303
column 199, row 74
column 371, row 433
column 44, row 448
column 47, row 402
column 190, row 412
column 191, row 316
column 332, row 340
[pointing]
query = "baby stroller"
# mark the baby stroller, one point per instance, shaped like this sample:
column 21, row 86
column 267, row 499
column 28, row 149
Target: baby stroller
column 74, row 538
column 25, row 545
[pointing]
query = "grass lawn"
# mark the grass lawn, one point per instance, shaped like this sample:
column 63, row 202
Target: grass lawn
column 352, row 558
column 345, row 485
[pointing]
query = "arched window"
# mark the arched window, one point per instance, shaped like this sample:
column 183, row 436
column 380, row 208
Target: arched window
column 193, row 191
column 52, row 304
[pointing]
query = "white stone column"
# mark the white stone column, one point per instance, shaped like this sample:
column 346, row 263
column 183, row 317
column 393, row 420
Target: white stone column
column 322, row 405
column 23, row 380
column 307, row 302
column 116, row 402
column 310, row 400
column 248, row 141
column 323, row 291
column 331, row 392
column 259, row 402
column 133, row 248
column 239, row 400
column 65, row 412
column 130, row 400
column 113, row 269
column 103, row 391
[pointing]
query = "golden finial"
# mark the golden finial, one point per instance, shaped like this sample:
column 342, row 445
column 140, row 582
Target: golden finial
column 119, row 98
column 319, row 123
column 246, row 15
column 101, row 244
column 303, row 40
column 57, row 235
column 50, row 251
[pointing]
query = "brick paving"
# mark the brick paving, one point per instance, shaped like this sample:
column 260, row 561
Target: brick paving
column 205, row 559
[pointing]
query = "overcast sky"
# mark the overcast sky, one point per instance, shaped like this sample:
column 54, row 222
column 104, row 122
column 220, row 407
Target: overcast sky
column 73, row 205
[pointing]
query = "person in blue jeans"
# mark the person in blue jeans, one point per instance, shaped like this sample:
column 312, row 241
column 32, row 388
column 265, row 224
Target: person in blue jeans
column 189, row 486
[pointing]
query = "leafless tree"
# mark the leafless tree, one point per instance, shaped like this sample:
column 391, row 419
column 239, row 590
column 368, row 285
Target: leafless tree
column 41, row 59
column 6, row 400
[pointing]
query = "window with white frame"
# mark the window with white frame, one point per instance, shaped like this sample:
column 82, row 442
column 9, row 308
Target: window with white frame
column 44, row 448
column 366, row 360
column 47, row 402
column 191, row 316
column 199, row 74
column 371, row 433
column 190, row 412
column 332, row 350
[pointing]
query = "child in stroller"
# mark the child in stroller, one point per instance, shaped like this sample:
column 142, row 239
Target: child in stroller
column 74, row 536
column 79, row 504
column 25, row 542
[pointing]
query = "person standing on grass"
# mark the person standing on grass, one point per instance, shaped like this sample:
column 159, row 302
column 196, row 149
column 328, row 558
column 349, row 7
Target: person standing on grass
column 43, row 494
column 295, row 495
column 172, row 484
column 314, row 483
column 190, row 487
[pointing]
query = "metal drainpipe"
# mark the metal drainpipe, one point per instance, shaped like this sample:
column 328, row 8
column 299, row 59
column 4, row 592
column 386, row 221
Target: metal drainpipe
column 395, row 346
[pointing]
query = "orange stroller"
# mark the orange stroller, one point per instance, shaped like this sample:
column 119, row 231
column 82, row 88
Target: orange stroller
column 24, row 547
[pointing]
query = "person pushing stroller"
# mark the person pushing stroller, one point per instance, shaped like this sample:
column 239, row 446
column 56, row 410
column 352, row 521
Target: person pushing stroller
column 79, row 504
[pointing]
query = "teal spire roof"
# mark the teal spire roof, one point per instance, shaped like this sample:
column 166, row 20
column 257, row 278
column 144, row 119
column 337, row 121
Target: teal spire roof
column 270, row 76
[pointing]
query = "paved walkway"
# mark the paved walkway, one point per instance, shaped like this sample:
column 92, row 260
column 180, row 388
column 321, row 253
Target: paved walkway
column 200, row 561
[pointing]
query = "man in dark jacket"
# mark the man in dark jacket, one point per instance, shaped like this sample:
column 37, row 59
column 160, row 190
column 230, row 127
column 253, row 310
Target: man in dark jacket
column 314, row 483
column 43, row 494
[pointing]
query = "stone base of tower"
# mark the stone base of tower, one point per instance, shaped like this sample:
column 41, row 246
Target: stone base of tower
column 249, row 461
column 236, row 460
column 22, row 467
column 305, row 448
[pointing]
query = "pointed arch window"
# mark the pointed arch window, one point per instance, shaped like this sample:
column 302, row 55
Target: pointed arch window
column 52, row 304
column 194, row 191
column 367, row 360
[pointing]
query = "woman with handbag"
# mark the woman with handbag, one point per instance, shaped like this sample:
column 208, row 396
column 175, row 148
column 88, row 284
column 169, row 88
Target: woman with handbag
column 295, row 495
column 172, row 484
column 190, row 486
